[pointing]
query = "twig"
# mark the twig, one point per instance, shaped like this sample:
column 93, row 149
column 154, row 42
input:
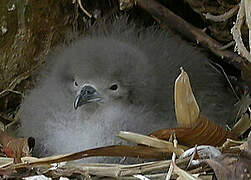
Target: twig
column 194, row 154
column 83, row 9
column 225, row 75
column 6, row 117
column 12, row 123
column 170, row 171
column 15, row 92
column 242, row 125
column 150, row 176
column 169, row 20
column 236, row 31
column 109, row 170
column 248, row 19
column 223, row 17
column 183, row 174
column 141, row 177
column 6, row 91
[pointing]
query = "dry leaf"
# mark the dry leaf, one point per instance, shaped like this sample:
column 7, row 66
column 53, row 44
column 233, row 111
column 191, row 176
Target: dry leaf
column 151, row 141
column 193, row 127
column 233, row 166
column 186, row 108
column 112, row 151
column 204, row 133
column 16, row 147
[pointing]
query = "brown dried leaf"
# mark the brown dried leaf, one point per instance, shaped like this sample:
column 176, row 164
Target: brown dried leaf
column 204, row 133
column 113, row 151
column 233, row 166
column 186, row 108
column 16, row 147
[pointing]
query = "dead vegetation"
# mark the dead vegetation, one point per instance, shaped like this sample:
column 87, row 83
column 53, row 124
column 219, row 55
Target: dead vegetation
column 228, row 25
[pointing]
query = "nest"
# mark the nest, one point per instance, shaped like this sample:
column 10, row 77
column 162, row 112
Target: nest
column 179, row 152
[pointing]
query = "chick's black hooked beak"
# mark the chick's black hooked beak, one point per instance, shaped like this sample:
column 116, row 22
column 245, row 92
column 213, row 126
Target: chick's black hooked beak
column 87, row 94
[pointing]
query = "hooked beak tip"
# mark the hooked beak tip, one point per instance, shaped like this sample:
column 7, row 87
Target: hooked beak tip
column 76, row 102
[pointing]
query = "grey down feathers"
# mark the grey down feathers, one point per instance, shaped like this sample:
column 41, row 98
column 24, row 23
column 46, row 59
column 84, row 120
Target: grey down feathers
column 119, row 77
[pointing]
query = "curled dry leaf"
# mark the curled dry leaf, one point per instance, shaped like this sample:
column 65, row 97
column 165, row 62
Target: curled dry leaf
column 193, row 127
column 186, row 108
column 233, row 166
column 203, row 133
column 236, row 32
column 16, row 147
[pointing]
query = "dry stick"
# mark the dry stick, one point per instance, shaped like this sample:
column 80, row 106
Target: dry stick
column 236, row 31
column 6, row 117
column 150, row 176
column 111, row 170
column 248, row 19
column 11, row 124
column 141, row 177
column 176, row 23
column 84, row 169
column 170, row 171
column 225, row 75
column 183, row 174
column 223, row 17
column 83, row 9
column 242, row 125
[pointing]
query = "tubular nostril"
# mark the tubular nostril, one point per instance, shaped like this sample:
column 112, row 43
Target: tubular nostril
column 88, row 90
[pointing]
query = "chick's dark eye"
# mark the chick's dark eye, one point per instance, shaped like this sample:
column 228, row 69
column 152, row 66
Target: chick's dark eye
column 114, row 87
column 75, row 83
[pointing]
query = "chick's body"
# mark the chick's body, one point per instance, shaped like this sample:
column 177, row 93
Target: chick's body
column 132, row 73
